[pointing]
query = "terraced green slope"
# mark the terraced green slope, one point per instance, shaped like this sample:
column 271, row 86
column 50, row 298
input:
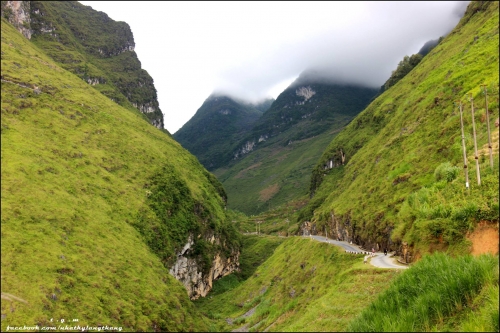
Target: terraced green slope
column 95, row 202
column 403, row 180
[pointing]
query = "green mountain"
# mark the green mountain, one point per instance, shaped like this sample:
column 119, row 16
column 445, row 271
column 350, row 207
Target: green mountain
column 402, row 184
column 271, row 165
column 310, row 107
column 100, row 210
column 89, row 44
column 218, row 125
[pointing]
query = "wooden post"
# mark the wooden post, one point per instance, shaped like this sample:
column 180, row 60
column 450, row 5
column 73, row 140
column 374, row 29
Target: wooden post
column 463, row 146
column 488, row 124
column 475, row 141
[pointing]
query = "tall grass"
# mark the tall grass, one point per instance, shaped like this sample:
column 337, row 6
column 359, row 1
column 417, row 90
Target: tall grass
column 430, row 291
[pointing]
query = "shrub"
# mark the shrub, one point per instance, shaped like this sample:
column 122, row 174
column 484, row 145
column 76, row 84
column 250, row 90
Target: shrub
column 446, row 171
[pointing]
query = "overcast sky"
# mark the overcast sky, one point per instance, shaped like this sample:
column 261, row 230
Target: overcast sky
column 253, row 50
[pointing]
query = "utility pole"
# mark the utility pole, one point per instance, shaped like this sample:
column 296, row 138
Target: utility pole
column 463, row 147
column 475, row 142
column 488, row 124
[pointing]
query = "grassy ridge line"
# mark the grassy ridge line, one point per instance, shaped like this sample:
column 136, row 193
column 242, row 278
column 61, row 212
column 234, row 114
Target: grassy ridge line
column 74, row 166
column 394, row 147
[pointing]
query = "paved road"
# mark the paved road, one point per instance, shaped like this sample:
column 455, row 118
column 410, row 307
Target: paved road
column 380, row 260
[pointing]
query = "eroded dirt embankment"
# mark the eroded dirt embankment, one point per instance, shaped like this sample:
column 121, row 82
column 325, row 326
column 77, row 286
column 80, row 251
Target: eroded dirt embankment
column 484, row 238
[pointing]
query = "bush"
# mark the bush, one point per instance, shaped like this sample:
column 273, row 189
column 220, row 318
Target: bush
column 446, row 171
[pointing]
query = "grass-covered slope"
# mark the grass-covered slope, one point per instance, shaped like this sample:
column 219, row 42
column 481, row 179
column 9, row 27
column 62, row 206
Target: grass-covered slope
column 273, row 175
column 94, row 203
column 404, row 179
column 98, row 50
column 218, row 125
column 305, row 285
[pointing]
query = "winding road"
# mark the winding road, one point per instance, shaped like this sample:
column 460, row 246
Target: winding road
column 380, row 260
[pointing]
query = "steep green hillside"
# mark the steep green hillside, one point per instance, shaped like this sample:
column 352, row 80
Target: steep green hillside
column 403, row 179
column 95, row 48
column 273, row 165
column 272, row 176
column 218, row 125
column 95, row 204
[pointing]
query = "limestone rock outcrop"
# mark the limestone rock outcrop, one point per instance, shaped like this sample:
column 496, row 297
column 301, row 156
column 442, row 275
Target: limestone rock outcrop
column 18, row 14
column 190, row 272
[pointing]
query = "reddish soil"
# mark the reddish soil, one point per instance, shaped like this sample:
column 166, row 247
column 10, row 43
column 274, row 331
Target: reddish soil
column 268, row 192
column 485, row 238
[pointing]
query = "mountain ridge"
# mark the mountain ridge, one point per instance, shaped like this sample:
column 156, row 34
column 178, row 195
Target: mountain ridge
column 271, row 165
column 220, row 122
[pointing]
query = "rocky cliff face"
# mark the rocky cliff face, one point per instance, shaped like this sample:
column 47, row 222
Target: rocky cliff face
column 341, row 228
column 189, row 271
column 18, row 14
column 90, row 45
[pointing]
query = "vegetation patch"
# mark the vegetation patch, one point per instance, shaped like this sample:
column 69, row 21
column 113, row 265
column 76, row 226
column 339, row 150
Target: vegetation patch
column 95, row 202
column 268, row 192
column 430, row 293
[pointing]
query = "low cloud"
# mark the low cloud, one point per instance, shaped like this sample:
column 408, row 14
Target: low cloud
column 251, row 50
column 363, row 52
